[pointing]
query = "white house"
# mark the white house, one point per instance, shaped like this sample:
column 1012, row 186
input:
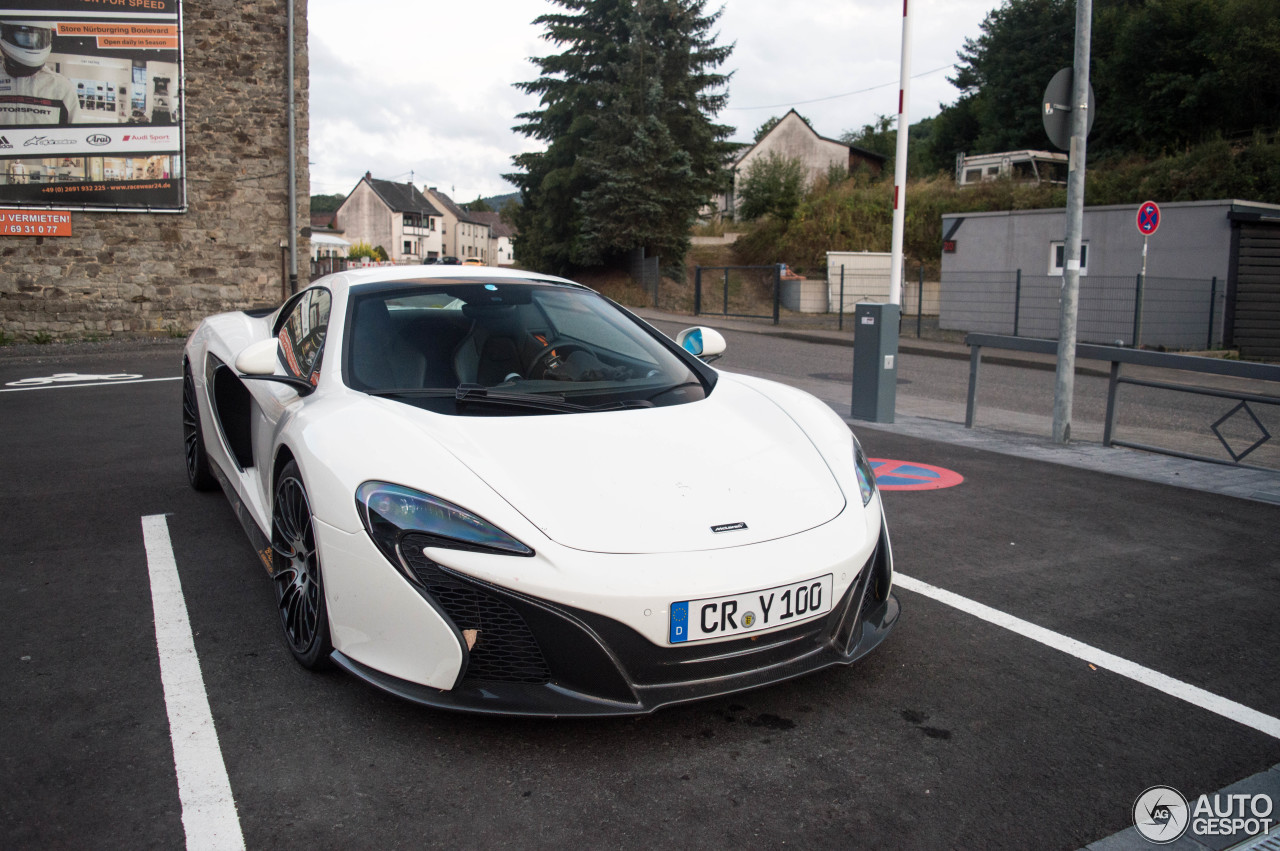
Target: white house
column 501, row 239
column 395, row 216
column 465, row 235
column 793, row 138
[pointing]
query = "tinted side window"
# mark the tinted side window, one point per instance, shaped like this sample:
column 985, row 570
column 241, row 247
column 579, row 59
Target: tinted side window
column 302, row 334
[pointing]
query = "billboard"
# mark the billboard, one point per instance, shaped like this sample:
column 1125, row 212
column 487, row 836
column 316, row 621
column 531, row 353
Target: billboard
column 91, row 105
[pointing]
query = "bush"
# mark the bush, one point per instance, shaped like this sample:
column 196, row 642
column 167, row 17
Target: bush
column 771, row 185
column 360, row 251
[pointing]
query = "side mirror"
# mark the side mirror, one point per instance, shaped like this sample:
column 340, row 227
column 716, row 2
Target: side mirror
column 706, row 343
column 258, row 362
column 259, row 358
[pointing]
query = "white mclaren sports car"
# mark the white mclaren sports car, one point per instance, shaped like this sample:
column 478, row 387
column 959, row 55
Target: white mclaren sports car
column 497, row 491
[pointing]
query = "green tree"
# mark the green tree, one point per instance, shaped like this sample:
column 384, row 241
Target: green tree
column 478, row 206
column 771, row 185
column 326, row 203
column 1186, row 71
column 1166, row 73
column 632, row 152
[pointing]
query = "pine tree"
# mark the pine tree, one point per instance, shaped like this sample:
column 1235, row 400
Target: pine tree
column 632, row 152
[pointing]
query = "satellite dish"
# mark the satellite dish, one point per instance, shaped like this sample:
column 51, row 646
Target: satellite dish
column 1056, row 109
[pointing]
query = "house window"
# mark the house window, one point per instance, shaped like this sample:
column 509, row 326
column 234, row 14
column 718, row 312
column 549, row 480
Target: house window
column 1058, row 251
column 973, row 175
column 408, row 247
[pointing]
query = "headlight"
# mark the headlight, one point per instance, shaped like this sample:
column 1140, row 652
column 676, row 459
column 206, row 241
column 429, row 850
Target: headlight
column 390, row 511
column 866, row 475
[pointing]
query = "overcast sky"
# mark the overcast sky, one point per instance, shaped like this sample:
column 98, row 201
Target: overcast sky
column 403, row 87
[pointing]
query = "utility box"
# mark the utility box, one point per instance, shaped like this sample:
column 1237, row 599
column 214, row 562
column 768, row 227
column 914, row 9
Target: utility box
column 875, row 361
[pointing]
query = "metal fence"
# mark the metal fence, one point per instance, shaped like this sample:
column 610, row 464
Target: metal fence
column 327, row 266
column 740, row 291
column 1173, row 313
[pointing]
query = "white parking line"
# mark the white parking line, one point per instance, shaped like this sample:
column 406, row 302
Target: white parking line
column 1174, row 688
column 93, row 384
column 209, row 815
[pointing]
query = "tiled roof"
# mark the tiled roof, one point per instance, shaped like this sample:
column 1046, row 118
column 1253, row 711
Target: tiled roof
column 402, row 197
column 461, row 214
column 496, row 225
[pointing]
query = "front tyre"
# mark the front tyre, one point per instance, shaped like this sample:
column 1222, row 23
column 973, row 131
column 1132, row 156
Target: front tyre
column 198, row 473
column 304, row 617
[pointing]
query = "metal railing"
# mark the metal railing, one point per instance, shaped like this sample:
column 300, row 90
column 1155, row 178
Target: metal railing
column 1141, row 357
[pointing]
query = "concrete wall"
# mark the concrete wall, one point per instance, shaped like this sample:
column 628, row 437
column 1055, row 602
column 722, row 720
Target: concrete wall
column 866, row 277
column 138, row 273
column 1191, row 247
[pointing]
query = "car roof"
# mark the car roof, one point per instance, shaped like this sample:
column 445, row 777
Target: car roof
column 429, row 274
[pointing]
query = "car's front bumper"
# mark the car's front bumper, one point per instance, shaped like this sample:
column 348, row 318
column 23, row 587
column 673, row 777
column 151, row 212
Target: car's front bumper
column 552, row 659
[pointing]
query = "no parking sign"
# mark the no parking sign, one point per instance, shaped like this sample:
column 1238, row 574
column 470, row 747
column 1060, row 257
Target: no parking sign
column 894, row 475
column 1148, row 218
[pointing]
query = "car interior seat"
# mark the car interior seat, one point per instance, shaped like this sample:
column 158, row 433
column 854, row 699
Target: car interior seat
column 491, row 351
column 380, row 359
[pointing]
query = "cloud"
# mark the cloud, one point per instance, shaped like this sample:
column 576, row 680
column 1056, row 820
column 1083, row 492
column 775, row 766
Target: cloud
column 401, row 88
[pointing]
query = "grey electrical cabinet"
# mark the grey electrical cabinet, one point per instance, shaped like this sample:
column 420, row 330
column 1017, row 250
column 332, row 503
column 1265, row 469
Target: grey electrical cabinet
column 875, row 361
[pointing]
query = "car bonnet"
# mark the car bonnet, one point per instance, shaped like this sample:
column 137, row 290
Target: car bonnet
column 729, row 470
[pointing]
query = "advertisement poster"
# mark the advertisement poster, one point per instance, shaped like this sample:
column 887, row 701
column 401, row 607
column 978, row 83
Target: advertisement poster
column 91, row 105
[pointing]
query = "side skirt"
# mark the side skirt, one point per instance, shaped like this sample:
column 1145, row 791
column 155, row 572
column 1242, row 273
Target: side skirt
column 261, row 542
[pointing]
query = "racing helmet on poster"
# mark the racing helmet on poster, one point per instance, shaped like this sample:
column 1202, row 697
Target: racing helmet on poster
column 26, row 46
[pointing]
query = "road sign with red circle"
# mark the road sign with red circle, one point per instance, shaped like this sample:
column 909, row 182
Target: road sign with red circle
column 1148, row 218
column 894, row 475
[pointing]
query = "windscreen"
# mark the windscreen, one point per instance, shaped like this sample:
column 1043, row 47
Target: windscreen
column 501, row 341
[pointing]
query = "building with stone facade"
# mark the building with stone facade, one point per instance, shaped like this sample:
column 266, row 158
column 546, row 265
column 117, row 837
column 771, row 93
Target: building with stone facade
column 133, row 273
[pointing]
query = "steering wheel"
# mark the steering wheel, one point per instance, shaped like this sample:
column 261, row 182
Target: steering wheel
column 550, row 356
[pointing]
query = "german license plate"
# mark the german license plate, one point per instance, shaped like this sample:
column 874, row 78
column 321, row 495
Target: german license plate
column 717, row 617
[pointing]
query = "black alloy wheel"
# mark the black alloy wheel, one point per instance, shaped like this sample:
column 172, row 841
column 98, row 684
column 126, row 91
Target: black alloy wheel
column 296, row 572
column 198, row 473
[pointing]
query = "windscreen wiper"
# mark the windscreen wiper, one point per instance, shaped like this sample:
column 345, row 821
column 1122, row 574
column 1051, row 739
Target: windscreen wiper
column 413, row 391
column 474, row 393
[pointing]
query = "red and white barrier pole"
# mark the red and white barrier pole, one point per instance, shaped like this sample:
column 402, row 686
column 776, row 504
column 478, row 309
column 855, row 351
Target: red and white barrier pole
column 900, row 163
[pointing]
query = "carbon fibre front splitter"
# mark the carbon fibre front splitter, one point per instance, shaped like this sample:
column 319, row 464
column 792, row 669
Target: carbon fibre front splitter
column 551, row 700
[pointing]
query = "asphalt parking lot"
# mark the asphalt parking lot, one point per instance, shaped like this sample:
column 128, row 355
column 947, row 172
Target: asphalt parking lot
column 959, row 732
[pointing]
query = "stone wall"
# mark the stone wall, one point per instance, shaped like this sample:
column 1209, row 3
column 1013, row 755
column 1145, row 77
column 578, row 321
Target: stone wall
column 139, row 273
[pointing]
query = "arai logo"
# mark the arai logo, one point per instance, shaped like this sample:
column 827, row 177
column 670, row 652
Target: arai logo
column 99, row 139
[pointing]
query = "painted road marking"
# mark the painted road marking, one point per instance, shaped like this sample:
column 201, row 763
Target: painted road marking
column 1194, row 695
column 65, row 377
column 209, row 816
column 50, row 386
column 894, row 475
